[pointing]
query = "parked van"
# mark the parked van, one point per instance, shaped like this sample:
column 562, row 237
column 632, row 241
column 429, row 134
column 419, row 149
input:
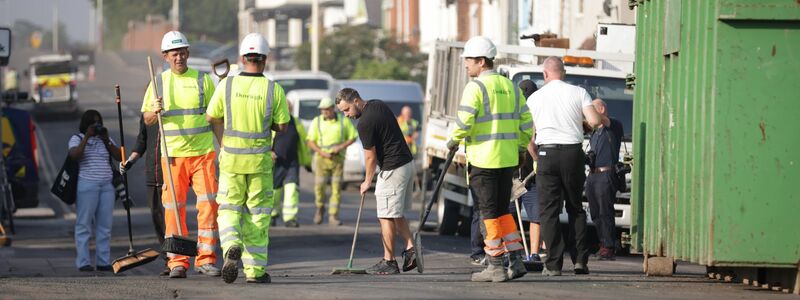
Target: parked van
column 53, row 79
column 306, row 103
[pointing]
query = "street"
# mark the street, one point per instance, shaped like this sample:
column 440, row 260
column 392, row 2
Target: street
column 40, row 262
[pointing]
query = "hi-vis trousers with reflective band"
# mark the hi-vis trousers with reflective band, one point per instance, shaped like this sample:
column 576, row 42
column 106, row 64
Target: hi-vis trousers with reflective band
column 287, row 199
column 199, row 172
column 328, row 170
column 245, row 211
column 491, row 189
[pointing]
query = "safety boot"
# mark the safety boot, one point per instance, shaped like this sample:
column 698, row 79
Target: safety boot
column 494, row 272
column 333, row 220
column 516, row 267
column 318, row 215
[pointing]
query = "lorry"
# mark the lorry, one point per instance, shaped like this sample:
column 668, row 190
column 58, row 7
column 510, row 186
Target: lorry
column 53, row 82
column 602, row 74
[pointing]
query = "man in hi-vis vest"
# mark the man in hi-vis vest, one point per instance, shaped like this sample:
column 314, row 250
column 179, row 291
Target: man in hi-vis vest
column 249, row 107
column 190, row 144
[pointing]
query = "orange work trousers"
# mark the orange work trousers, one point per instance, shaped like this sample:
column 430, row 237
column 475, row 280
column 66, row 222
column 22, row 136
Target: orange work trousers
column 200, row 173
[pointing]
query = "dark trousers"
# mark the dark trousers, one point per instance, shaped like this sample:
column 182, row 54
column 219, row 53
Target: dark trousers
column 476, row 233
column 601, row 192
column 491, row 190
column 156, row 212
column 561, row 172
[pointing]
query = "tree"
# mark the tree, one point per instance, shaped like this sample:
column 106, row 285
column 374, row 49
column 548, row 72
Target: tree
column 200, row 19
column 340, row 51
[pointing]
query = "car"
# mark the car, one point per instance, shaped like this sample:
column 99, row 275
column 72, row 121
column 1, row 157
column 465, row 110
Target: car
column 395, row 94
column 305, row 103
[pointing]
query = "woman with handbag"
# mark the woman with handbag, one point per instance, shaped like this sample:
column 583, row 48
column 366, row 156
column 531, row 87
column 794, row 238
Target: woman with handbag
column 93, row 149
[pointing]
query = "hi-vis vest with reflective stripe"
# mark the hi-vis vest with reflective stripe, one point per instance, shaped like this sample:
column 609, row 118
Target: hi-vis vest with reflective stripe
column 246, row 151
column 186, row 129
column 408, row 127
column 493, row 121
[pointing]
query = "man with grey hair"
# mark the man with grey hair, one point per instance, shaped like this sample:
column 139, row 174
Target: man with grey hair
column 558, row 109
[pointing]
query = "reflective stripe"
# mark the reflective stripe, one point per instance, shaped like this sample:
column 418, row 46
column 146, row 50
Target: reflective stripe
column 485, row 93
column 515, row 246
column 233, row 150
column 512, row 237
column 260, row 210
column 462, row 125
column 171, row 255
column 263, row 134
column 187, row 131
column 205, row 233
column 495, row 243
column 201, row 91
column 206, row 197
column 524, row 109
column 495, row 136
column 226, row 230
column 254, row 262
column 206, row 247
column 500, row 116
column 226, row 206
column 525, row 126
column 494, row 252
column 229, row 238
column 184, row 112
column 248, row 135
column 259, row 250
column 467, row 109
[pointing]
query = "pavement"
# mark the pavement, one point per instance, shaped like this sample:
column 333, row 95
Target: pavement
column 40, row 262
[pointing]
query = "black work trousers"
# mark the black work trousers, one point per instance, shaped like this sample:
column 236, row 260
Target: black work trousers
column 156, row 212
column 601, row 192
column 561, row 172
column 491, row 190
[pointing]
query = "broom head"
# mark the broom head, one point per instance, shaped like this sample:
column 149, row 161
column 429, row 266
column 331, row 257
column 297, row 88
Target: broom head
column 134, row 260
column 180, row 245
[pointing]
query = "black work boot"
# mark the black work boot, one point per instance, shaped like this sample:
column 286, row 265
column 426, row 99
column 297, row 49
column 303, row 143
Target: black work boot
column 516, row 267
column 494, row 272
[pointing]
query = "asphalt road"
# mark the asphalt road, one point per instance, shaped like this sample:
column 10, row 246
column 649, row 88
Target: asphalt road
column 40, row 263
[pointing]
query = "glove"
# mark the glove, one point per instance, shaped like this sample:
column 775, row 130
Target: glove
column 308, row 168
column 451, row 144
column 124, row 168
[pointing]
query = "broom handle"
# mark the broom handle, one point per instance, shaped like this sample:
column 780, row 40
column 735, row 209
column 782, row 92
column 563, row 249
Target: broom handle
column 438, row 187
column 355, row 235
column 521, row 228
column 166, row 153
column 127, row 203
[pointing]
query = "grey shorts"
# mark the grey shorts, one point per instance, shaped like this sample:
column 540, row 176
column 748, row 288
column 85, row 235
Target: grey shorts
column 394, row 190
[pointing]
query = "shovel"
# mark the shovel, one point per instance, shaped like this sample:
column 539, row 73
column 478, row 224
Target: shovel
column 177, row 244
column 517, row 190
column 133, row 259
column 417, row 236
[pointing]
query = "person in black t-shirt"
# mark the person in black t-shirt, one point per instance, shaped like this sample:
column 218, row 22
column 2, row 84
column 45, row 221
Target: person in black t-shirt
column 601, row 184
column 384, row 146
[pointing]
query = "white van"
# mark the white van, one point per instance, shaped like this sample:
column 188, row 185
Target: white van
column 305, row 103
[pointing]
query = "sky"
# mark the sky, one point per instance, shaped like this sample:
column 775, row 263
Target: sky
column 75, row 14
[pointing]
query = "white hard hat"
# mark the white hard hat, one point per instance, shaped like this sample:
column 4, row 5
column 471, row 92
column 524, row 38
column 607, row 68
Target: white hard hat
column 479, row 46
column 254, row 43
column 173, row 40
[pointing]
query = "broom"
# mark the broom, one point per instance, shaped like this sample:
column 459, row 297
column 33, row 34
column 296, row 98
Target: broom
column 177, row 244
column 133, row 259
column 417, row 236
column 517, row 190
column 349, row 269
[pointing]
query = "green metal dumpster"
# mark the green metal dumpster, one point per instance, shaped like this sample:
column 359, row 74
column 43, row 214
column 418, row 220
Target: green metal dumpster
column 716, row 179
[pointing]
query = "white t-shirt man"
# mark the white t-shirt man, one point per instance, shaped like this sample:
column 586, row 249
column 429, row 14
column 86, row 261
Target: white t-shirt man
column 557, row 110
